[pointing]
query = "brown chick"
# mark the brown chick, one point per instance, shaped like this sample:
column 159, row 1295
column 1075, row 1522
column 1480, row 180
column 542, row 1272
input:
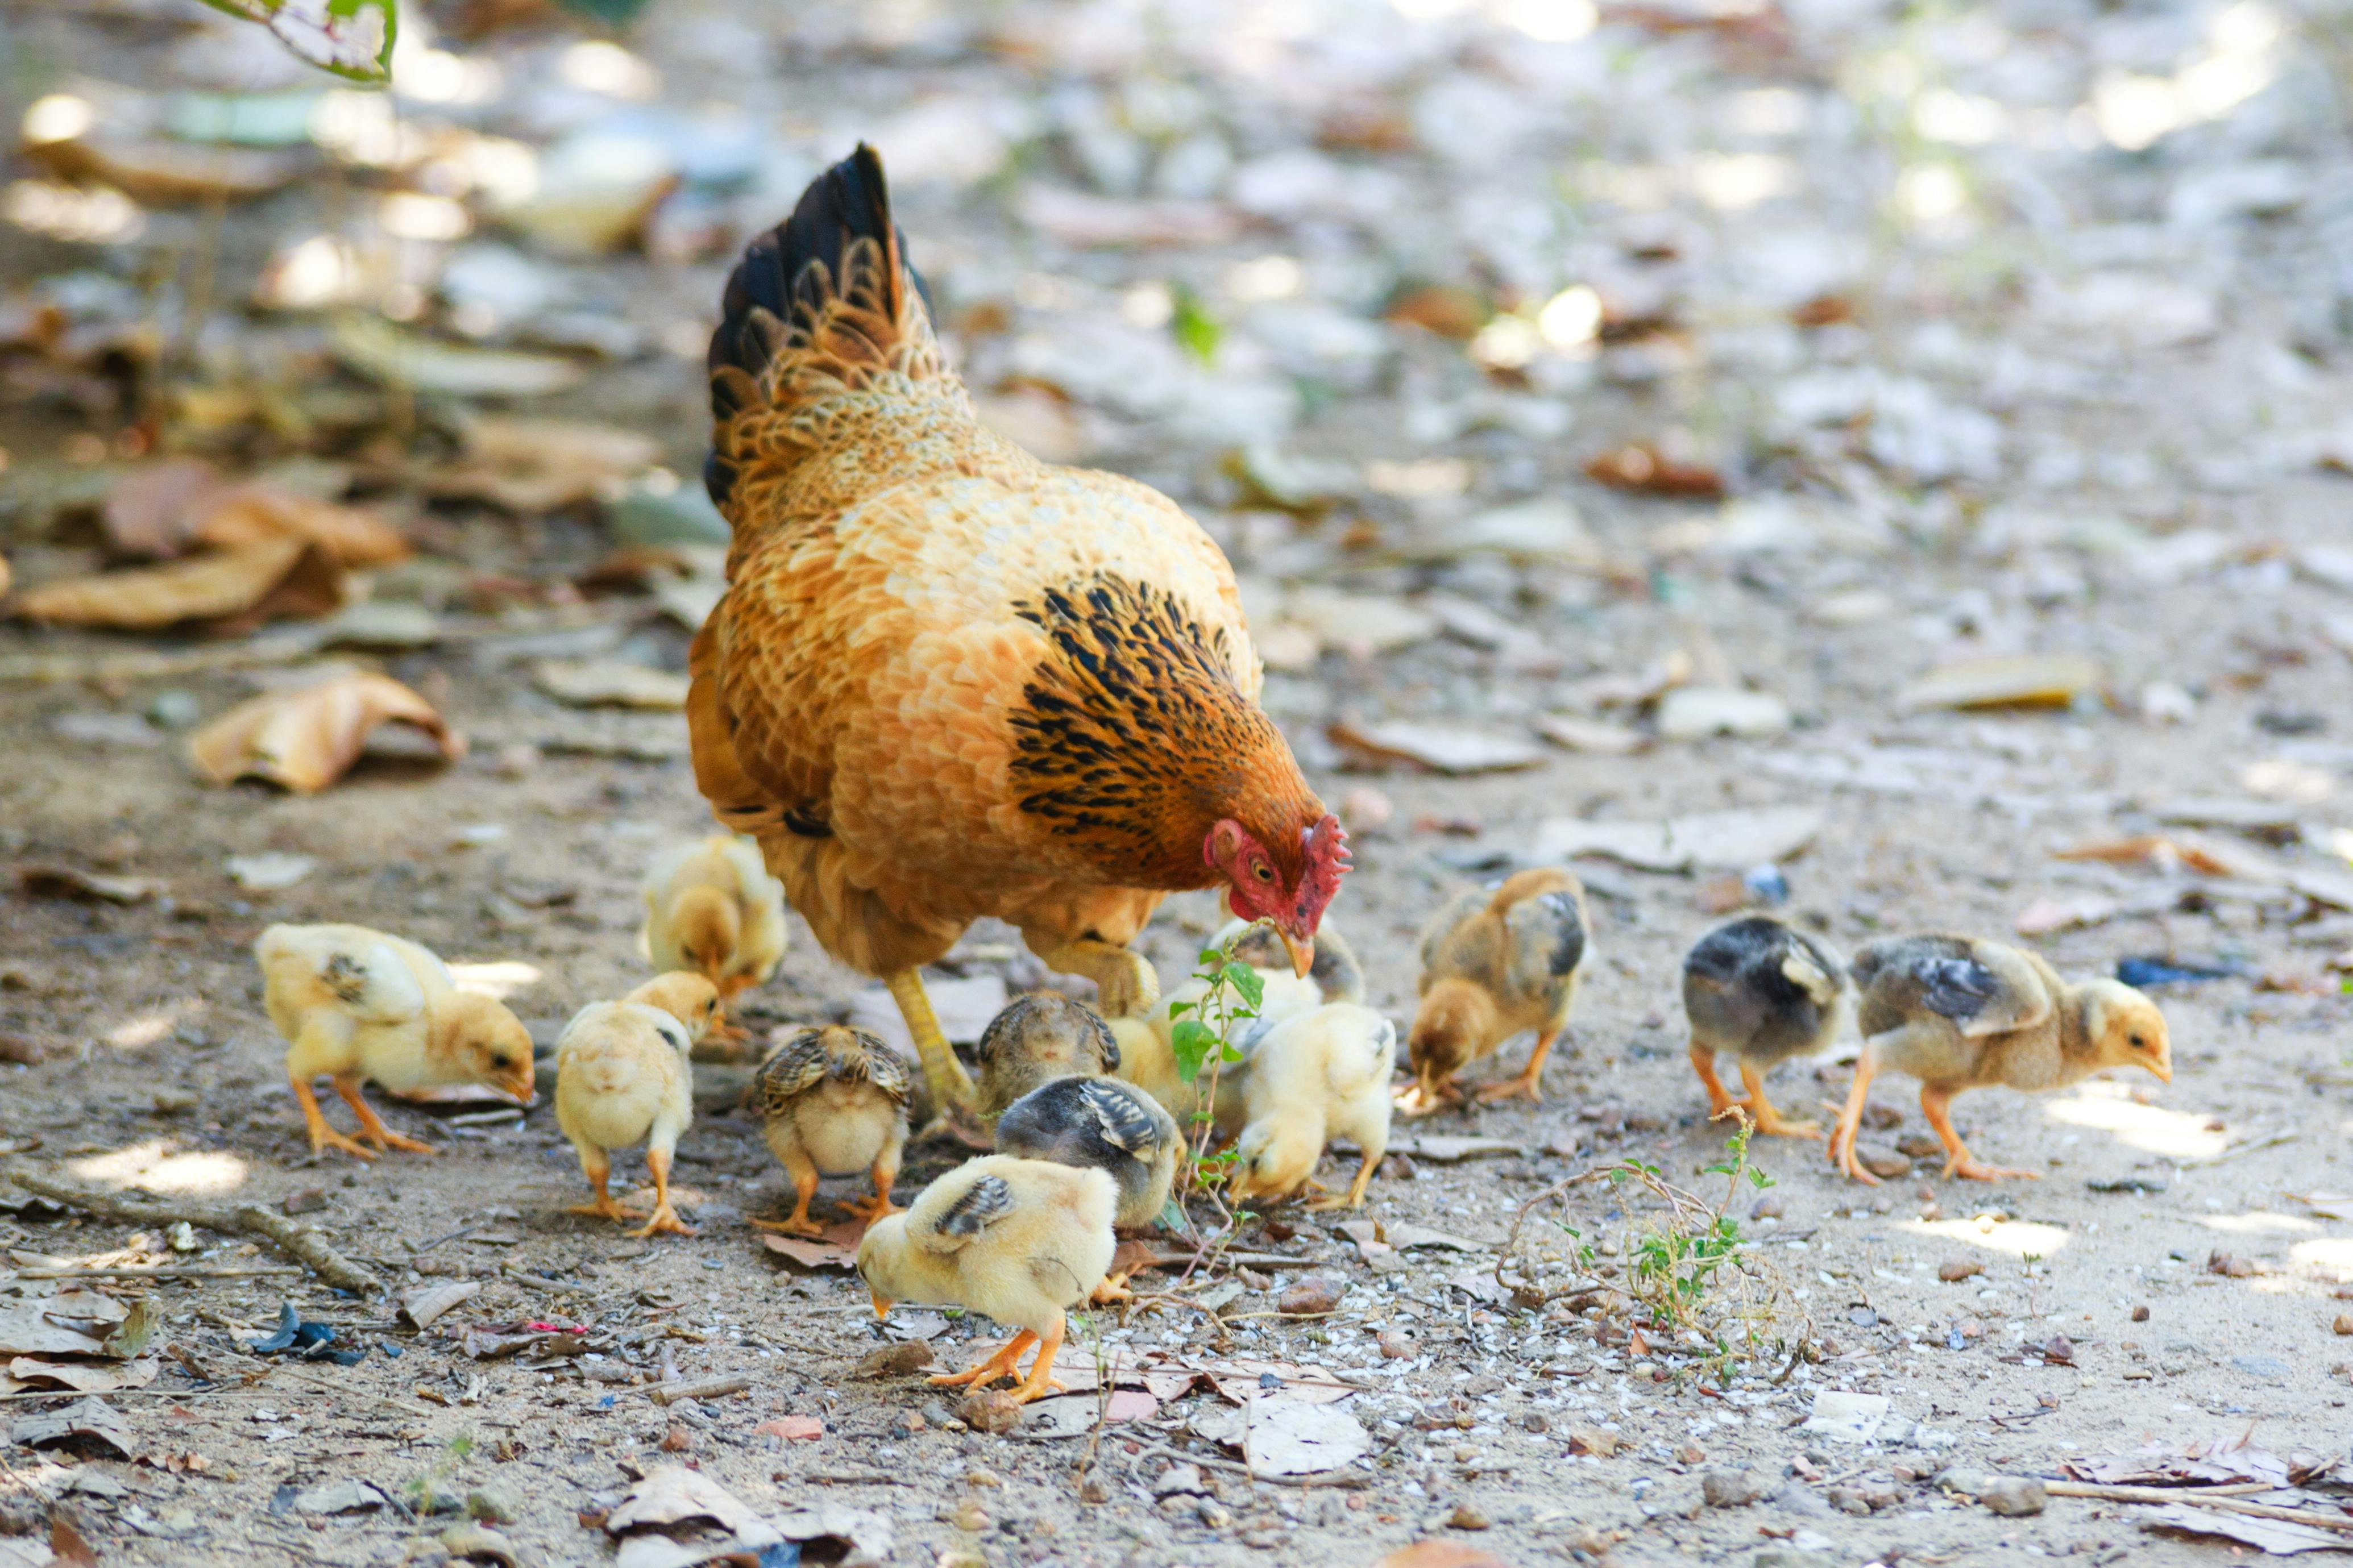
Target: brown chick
column 1037, row 1039
column 1764, row 993
column 833, row 1102
column 1018, row 1240
column 1957, row 1014
column 357, row 1005
column 623, row 1076
column 1316, row 1076
column 1493, row 965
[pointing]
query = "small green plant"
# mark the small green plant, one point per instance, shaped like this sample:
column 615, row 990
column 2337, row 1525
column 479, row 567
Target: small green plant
column 1195, row 330
column 422, row 1490
column 1202, row 1036
column 353, row 38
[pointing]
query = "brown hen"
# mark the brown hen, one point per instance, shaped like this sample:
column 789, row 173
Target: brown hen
column 949, row 681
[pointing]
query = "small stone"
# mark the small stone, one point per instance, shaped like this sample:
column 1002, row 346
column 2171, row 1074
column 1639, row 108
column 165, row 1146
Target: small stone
column 2140, row 1314
column 517, row 760
column 1731, row 1489
column 1179, row 1480
column 1953, row 1270
column 2344, row 1324
column 1212, row 1513
column 2230, row 1264
column 1466, row 1517
column 1691, row 1453
column 1536, row 1421
column 1094, row 1490
column 1769, row 1206
column 895, row 1360
column 981, row 1476
column 1805, row 1468
column 1883, row 1161
column 1597, row 1441
column 1396, row 1346
column 970, row 1515
column 1308, row 1297
column 493, row 1505
column 2013, row 1496
column 1918, row 1146
column 310, row 1200
column 990, row 1410
column 678, row 1440
column 792, row 1429
column 173, row 710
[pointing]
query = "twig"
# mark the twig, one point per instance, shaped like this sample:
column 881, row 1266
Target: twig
column 407, row 1406
column 858, row 1478
column 1328, row 1478
column 153, row 1271
column 300, row 1242
column 2200, row 1497
column 698, row 1388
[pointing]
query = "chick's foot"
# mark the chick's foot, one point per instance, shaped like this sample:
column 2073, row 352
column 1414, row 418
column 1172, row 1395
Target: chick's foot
column 664, row 1222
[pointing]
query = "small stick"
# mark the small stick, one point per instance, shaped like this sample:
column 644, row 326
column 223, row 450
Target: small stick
column 2200, row 1497
column 858, row 1478
column 300, row 1242
column 699, row 1388
column 154, row 1271
column 1329, row 1479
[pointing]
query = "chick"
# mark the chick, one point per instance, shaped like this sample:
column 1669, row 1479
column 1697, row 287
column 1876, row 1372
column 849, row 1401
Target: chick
column 1037, row 1039
column 355, row 1004
column 712, row 907
column 1324, row 1074
column 1147, row 1046
column 1765, row 993
column 833, row 1102
column 1957, row 1014
column 1101, row 1122
column 622, row 1077
column 1493, row 965
column 1018, row 1240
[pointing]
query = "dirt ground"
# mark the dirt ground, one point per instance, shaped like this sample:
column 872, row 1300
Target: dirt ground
column 2074, row 412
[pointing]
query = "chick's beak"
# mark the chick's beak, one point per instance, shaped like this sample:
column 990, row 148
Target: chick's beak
column 518, row 1085
column 2163, row 1068
column 881, row 1306
column 1300, row 948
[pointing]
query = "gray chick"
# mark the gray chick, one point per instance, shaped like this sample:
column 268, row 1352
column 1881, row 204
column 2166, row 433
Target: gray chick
column 1764, row 993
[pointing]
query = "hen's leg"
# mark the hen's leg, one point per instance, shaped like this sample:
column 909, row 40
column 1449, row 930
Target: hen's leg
column 988, row 1372
column 950, row 1085
column 1936, row 1104
column 664, row 1217
column 1041, row 1381
column 1530, row 1082
column 1719, row 1098
column 370, row 1127
column 1770, row 1122
column 1126, row 980
column 1850, row 1121
column 322, row 1135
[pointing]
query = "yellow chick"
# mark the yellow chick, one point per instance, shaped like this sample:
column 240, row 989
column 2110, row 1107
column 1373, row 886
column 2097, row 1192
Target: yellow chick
column 1037, row 1039
column 1492, row 966
column 1321, row 1075
column 711, row 908
column 356, row 1005
column 832, row 1102
column 622, row 1078
column 1766, row 992
column 1957, row 1014
column 1018, row 1240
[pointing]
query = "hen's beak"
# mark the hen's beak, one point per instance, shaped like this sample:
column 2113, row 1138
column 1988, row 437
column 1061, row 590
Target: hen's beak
column 881, row 1306
column 1302, row 950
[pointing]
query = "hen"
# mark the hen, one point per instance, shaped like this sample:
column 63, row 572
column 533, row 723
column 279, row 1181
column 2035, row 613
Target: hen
column 948, row 680
column 354, row 1003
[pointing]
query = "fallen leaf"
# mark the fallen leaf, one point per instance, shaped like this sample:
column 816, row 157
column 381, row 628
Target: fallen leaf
column 810, row 1254
column 542, row 465
column 1697, row 712
column 1287, row 1437
column 1640, row 690
column 1403, row 1235
column 1597, row 1441
column 609, row 683
column 2274, row 1537
column 308, row 738
column 269, row 872
column 239, row 515
column 792, row 1429
column 1846, row 1418
column 227, row 594
column 1642, row 467
column 421, row 1305
column 160, row 172
column 2066, row 912
column 1590, row 736
column 1438, row 748
column 146, row 514
column 330, row 1497
column 88, row 1418
column 67, row 1547
column 1075, row 1414
column 2032, row 681
column 1709, row 840
column 1448, row 1148
column 84, row 1377
column 672, row 1494
column 66, row 882
column 385, row 353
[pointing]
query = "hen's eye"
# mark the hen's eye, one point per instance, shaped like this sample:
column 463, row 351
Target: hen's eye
column 1263, row 871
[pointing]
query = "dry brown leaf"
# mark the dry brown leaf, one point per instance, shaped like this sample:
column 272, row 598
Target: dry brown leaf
column 1643, row 469
column 227, row 594
column 539, row 465
column 244, row 514
column 163, row 173
column 70, row 883
column 2025, row 681
column 150, row 513
column 3, row 577
column 609, row 683
column 307, row 739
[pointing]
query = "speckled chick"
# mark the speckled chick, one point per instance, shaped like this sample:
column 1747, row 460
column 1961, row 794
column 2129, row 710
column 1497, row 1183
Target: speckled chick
column 623, row 1077
column 1038, row 1039
column 1957, row 1014
column 1101, row 1122
column 1493, row 965
column 833, row 1102
column 1764, row 993
column 1018, row 1240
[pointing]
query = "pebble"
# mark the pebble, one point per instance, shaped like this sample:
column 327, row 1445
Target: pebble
column 1883, row 1161
column 2344, row 1324
column 2140, row 1314
column 1466, row 1517
column 1308, row 1297
column 895, row 1360
column 1953, row 1270
column 2013, row 1496
column 493, row 1505
column 1691, row 1453
column 1731, row 1489
column 990, row 1410
column 310, row 1200
column 1396, row 1346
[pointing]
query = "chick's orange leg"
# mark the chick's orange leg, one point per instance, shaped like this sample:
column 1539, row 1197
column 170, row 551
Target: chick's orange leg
column 804, row 1174
column 1719, row 1098
column 1355, row 1198
column 1850, row 1122
column 598, row 1166
column 874, row 1208
column 1113, row 1290
column 1041, row 1381
column 1530, row 1082
column 1001, row 1364
column 323, row 1135
column 1937, row 1105
column 370, row 1126
column 1770, row 1122
column 664, row 1218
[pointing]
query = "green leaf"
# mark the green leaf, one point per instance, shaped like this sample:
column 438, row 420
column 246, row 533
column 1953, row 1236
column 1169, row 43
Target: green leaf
column 1178, row 1009
column 1247, row 983
column 1192, row 1041
column 1195, row 330
column 353, row 38
column 1210, row 959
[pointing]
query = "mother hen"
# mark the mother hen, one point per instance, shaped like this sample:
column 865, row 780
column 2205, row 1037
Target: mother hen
column 949, row 681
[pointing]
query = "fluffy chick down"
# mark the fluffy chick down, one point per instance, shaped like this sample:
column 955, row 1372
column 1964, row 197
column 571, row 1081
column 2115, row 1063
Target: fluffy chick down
column 1493, row 965
column 1322, row 1075
column 833, row 1102
column 1102, row 1124
column 712, row 908
column 1018, row 1240
column 1764, row 993
column 1037, row 1039
column 623, row 1077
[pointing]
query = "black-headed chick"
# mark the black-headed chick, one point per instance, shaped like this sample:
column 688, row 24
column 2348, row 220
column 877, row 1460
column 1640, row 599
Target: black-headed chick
column 1957, row 1014
column 1493, row 965
column 1764, row 993
column 832, row 1102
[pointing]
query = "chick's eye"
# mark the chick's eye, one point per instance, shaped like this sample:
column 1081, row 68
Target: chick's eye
column 2139, row 1043
column 501, row 1059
